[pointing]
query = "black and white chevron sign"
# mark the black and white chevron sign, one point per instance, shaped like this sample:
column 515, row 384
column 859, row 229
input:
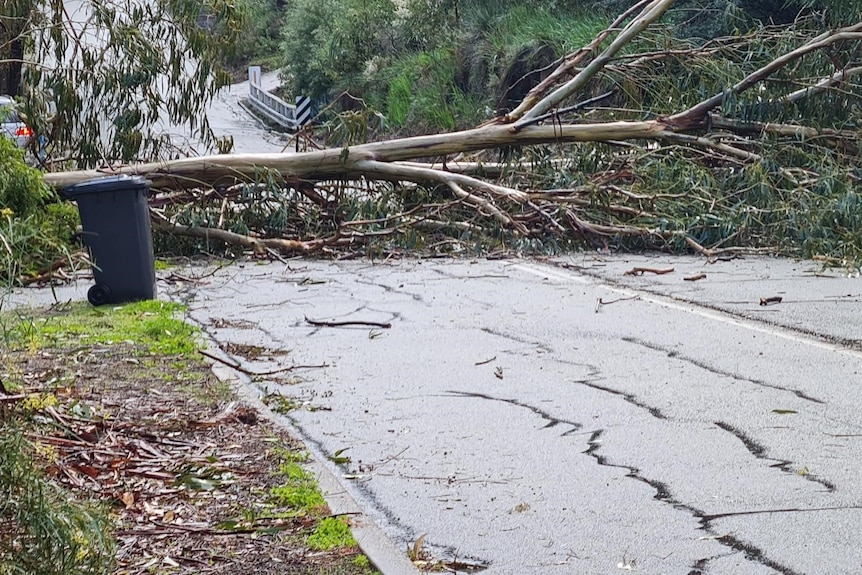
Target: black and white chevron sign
column 303, row 110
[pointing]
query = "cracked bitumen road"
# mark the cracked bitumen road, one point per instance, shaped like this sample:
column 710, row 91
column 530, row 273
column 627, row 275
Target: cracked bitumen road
column 563, row 417
column 676, row 427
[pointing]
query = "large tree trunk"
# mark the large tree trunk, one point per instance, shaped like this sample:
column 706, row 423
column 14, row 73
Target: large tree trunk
column 11, row 54
column 347, row 162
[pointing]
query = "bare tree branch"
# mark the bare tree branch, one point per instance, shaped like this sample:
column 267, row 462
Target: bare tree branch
column 696, row 114
column 650, row 14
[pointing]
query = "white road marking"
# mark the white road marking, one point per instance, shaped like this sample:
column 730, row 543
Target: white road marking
column 669, row 303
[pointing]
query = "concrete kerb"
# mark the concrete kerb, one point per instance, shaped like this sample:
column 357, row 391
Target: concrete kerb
column 379, row 549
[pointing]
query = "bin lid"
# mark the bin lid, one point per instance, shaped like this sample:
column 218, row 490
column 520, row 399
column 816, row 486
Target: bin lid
column 117, row 183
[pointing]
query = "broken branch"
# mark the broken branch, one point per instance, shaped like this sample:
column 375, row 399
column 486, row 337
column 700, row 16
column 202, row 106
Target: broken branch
column 347, row 323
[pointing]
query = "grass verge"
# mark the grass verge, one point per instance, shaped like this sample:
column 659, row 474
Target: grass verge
column 123, row 454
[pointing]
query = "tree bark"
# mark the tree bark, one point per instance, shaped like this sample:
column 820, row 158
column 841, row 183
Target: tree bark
column 224, row 170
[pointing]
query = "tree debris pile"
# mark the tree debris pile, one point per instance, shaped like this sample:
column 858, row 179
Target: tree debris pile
column 636, row 141
column 190, row 485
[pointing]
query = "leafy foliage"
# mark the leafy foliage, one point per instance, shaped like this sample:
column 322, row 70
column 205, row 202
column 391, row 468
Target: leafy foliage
column 261, row 34
column 331, row 46
column 22, row 189
column 108, row 80
column 432, row 65
column 34, row 229
column 43, row 531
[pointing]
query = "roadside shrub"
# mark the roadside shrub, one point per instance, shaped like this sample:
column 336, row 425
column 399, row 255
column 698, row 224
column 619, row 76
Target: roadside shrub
column 22, row 189
column 332, row 46
column 36, row 228
column 43, row 531
column 261, row 22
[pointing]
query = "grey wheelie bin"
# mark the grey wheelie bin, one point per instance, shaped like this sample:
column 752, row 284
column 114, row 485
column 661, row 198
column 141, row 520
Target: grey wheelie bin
column 116, row 223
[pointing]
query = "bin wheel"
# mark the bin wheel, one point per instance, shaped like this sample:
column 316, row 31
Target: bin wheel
column 98, row 294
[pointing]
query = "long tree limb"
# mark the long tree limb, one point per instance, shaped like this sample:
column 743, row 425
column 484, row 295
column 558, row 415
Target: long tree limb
column 650, row 14
column 455, row 182
column 697, row 113
column 568, row 64
column 256, row 244
column 411, row 172
column 848, row 137
column 336, row 163
column 822, row 85
column 703, row 142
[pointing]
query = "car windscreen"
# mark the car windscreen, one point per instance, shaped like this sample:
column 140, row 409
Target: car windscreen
column 9, row 115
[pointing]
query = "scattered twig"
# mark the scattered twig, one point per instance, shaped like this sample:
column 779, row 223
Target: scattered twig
column 487, row 361
column 319, row 323
column 600, row 302
column 695, row 278
column 770, row 300
column 240, row 368
column 54, row 271
column 641, row 271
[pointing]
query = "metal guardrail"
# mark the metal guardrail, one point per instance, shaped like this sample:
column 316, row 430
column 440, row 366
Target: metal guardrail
column 291, row 116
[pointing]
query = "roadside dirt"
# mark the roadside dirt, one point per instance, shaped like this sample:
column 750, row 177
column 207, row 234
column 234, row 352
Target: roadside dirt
column 186, row 471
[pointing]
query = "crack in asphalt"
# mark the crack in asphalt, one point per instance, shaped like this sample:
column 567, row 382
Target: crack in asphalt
column 755, row 554
column 715, row 516
column 703, row 365
column 701, row 566
column 396, row 290
column 515, row 338
column 629, row 397
column 760, row 452
column 552, row 421
column 662, row 490
column 663, row 494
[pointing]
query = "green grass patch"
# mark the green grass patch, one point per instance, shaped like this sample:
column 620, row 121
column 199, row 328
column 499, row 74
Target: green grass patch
column 523, row 25
column 331, row 533
column 151, row 325
column 299, row 491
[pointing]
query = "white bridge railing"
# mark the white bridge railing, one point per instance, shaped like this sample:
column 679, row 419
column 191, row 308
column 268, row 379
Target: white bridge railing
column 291, row 116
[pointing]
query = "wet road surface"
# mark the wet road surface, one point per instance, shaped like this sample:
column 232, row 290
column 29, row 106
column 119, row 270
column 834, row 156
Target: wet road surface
column 534, row 418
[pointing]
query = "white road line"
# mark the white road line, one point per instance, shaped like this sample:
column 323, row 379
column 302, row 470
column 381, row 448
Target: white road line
column 667, row 302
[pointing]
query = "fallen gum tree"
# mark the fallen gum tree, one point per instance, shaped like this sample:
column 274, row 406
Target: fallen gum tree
column 615, row 146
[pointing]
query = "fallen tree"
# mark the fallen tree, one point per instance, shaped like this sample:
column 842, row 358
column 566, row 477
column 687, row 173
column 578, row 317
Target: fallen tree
column 640, row 144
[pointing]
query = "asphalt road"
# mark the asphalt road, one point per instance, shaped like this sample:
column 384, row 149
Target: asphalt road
column 534, row 418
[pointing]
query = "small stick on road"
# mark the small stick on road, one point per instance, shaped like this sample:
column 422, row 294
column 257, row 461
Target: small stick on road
column 600, row 302
column 695, row 278
column 240, row 368
column 642, row 271
column 770, row 300
column 345, row 323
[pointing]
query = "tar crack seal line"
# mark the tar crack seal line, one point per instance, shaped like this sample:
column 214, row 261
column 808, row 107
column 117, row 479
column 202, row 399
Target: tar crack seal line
column 538, row 344
column 552, row 421
column 629, row 397
column 759, row 451
column 664, row 495
column 697, row 363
